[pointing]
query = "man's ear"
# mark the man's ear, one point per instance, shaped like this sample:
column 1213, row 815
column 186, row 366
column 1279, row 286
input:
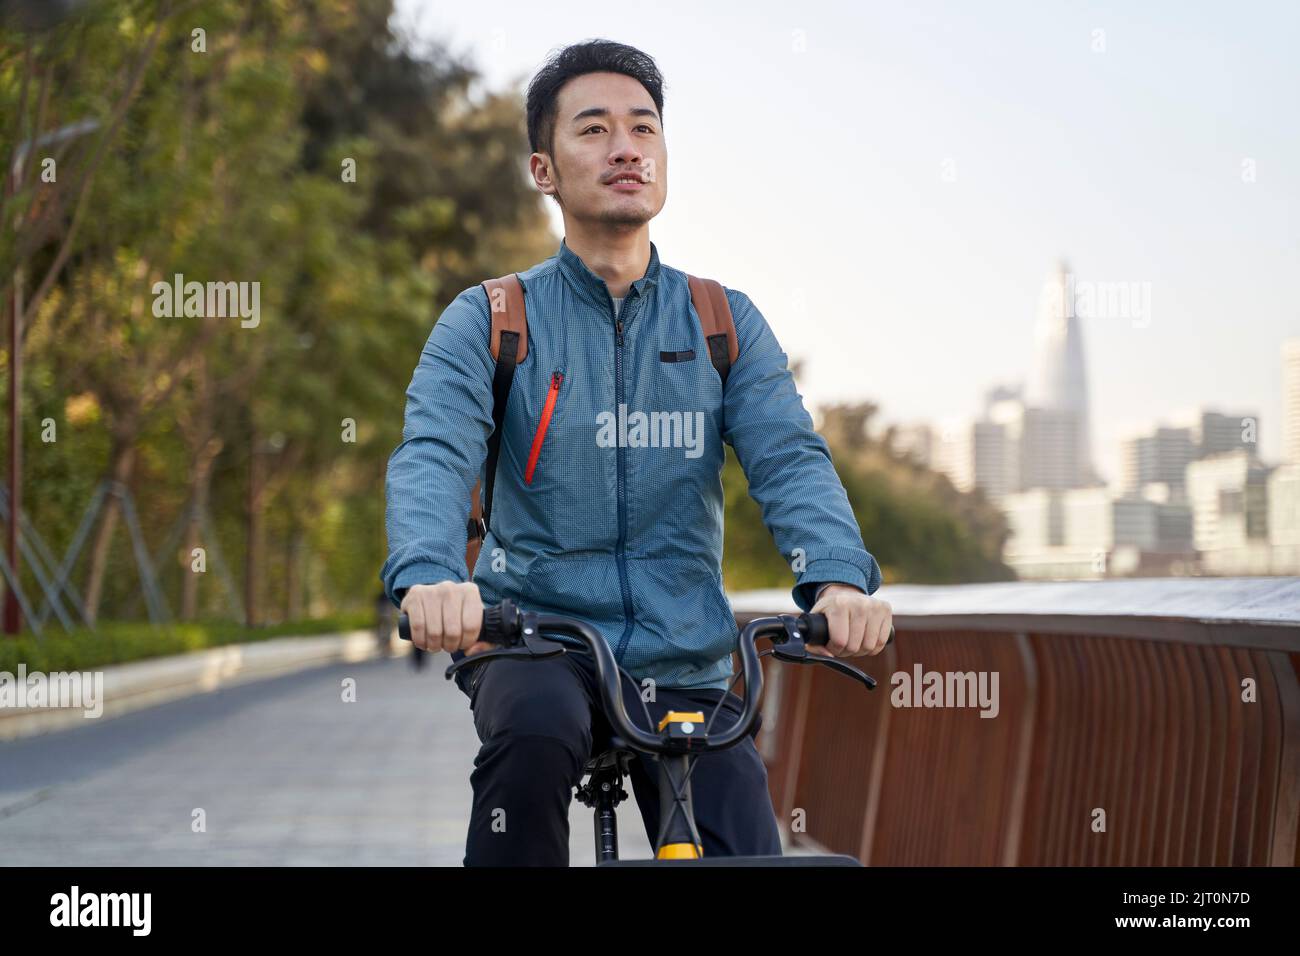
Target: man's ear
column 549, row 167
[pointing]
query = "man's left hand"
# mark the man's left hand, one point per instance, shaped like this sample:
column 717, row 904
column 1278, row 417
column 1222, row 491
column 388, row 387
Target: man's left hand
column 858, row 623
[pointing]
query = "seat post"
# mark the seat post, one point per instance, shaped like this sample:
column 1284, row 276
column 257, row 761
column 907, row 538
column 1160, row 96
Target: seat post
column 603, row 792
column 606, row 826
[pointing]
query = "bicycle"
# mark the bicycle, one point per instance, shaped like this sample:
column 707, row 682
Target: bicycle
column 680, row 739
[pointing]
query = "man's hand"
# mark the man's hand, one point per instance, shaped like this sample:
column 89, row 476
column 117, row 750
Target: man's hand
column 858, row 623
column 445, row 617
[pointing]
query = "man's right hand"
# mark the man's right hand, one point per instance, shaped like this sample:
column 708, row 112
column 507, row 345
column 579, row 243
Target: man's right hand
column 445, row 617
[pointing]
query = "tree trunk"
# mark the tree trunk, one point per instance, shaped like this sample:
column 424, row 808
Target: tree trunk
column 253, row 557
column 293, row 575
column 122, row 461
column 200, row 494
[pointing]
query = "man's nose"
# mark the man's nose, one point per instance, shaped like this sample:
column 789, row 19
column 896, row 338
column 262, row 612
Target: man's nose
column 626, row 152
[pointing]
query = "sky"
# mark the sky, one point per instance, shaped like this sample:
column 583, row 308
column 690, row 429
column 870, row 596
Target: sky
column 891, row 184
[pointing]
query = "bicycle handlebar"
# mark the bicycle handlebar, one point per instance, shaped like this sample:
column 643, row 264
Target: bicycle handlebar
column 504, row 624
column 497, row 630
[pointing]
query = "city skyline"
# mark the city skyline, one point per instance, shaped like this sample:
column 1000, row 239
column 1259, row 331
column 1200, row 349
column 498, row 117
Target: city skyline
column 1194, row 497
column 1055, row 388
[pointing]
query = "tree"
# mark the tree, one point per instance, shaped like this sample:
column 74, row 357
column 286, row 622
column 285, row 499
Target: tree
column 919, row 528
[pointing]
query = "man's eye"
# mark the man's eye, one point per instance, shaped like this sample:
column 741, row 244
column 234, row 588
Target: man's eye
column 648, row 129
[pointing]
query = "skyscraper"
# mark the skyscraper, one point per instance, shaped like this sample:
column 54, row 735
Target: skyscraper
column 1228, row 494
column 1220, row 432
column 1291, row 401
column 1161, row 455
column 1058, row 379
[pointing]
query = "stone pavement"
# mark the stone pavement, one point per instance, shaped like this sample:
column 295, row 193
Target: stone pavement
column 285, row 772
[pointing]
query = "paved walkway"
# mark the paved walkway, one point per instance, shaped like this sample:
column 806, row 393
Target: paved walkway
column 286, row 773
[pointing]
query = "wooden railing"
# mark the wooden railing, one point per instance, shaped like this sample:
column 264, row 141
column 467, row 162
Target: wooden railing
column 1152, row 722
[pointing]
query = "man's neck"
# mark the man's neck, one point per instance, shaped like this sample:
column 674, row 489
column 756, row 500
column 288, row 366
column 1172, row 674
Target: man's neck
column 620, row 258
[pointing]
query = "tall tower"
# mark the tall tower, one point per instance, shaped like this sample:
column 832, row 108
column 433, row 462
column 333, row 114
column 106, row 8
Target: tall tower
column 1057, row 378
column 1291, row 402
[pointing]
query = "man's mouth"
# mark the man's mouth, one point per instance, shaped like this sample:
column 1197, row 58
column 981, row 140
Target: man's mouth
column 627, row 182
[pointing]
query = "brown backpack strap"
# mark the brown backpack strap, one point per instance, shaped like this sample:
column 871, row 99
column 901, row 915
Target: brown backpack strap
column 509, row 328
column 711, row 304
column 506, row 300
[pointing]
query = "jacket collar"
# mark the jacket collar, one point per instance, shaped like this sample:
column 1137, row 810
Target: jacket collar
column 592, row 286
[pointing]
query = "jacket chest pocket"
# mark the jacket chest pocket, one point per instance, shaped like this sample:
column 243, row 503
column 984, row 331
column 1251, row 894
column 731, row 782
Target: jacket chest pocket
column 683, row 378
column 543, row 424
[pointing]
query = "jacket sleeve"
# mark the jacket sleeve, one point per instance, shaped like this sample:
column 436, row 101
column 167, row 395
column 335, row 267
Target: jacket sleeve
column 444, row 444
column 788, row 464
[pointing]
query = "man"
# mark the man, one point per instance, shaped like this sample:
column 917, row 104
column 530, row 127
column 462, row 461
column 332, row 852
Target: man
column 592, row 517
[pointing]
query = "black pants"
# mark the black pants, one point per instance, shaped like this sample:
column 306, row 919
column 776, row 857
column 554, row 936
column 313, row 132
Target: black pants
column 539, row 722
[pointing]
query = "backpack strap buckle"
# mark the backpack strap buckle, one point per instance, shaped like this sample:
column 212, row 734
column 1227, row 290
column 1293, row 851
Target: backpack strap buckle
column 714, row 311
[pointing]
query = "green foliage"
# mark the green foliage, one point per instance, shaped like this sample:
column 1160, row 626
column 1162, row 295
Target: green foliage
column 118, row 642
column 918, row 527
column 228, row 165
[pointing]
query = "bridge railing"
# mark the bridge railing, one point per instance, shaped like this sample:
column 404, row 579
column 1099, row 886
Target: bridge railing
column 1145, row 722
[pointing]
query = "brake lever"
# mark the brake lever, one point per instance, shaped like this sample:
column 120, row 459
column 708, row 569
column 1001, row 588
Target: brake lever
column 794, row 650
column 532, row 647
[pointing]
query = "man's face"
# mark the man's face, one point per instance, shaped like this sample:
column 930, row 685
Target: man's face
column 606, row 128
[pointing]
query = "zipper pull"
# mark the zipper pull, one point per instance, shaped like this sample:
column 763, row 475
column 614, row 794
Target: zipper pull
column 618, row 328
column 556, row 379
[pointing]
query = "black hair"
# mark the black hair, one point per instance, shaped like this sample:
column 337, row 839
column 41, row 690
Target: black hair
column 590, row 56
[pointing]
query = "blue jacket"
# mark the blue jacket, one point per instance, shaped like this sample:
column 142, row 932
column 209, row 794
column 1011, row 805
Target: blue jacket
column 612, row 510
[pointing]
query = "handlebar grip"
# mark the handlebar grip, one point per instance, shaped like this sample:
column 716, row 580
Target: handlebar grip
column 816, row 631
column 501, row 625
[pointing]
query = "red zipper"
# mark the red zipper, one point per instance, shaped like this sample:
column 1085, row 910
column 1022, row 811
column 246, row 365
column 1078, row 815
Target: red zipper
column 547, row 409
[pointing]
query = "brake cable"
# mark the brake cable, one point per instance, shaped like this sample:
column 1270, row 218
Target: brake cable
column 680, row 794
